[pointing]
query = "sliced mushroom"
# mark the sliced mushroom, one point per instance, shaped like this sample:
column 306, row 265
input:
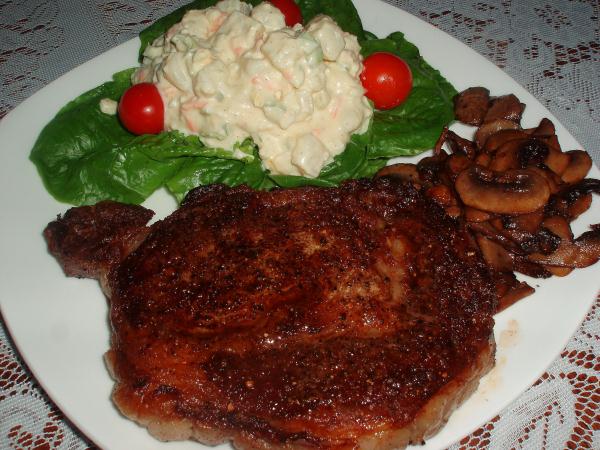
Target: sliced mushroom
column 579, row 206
column 559, row 271
column 559, row 226
column 557, row 161
column 494, row 254
column 476, row 215
column 527, row 222
column 471, row 105
column 501, row 137
column 431, row 169
column 531, row 269
column 573, row 200
column 512, row 192
column 483, row 159
column 515, row 294
column 579, row 165
column 505, row 107
column 516, row 190
column 587, row 186
column 541, row 240
column 441, row 194
column 405, row 172
column 533, row 152
column 437, row 148
column 554, row 181
column 545, row 128
column 457, row 162
column 582, row 252
column 508, row 156
column 460, row 145
column 487, row 230
column 490, row 128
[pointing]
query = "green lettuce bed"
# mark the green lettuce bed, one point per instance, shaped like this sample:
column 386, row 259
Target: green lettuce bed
column 85, row 156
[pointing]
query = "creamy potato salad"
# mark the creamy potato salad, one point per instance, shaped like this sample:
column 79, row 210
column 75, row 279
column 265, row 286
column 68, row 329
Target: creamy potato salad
column 231, row 71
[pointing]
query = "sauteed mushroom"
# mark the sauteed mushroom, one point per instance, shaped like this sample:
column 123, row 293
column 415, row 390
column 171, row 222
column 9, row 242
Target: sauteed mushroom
column 490, row 128
column 471, row 105
column 582, row 252
column 506, row 107
column 406, row 172
column 580, row 164
column 515, row 191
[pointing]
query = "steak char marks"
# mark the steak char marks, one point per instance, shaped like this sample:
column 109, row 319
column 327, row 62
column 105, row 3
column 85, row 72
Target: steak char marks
column 350, row 317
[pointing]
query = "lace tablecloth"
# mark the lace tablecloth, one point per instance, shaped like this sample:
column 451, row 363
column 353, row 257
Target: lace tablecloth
column 551, row 47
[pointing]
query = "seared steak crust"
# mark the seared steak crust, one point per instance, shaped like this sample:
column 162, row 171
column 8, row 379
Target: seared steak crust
column 89, row 239
column 357, row 316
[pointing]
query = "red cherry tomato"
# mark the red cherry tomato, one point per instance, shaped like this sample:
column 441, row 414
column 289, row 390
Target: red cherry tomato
column 387, row 79
column 141, row 109
column 290, row 10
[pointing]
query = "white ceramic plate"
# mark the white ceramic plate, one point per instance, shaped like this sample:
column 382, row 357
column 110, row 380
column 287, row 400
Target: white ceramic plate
column 60, row 324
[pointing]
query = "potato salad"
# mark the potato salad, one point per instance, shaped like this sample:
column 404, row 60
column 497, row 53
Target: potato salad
column 232, row 72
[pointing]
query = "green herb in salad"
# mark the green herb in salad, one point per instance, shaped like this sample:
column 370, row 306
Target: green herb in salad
column 85, row 156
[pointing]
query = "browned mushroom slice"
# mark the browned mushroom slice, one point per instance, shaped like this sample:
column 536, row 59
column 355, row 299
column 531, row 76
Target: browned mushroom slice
column 529, row 268
column 453, row 211
column 582, row 252
column 508, row 155
column 512, row 192
column 557, row 161
column 579, row 206
column 533, row 152
column 573, row 200
column 457, row 162
column 520, row 291
column 483, row 159
column 559, row 226
column 471, row 105
column 437, row 148
column 545, row 128
column 490, row 128
column 506, row 107
column 494, row 254
column 431, row 169
column 527, row 222
column 580, row 164
column 403, row 171
column 542, row 240
column 586, row 186
column 460, row 145
column 441, row 194
column 501, row 137
column 559, row 271
column 476, row 215
column 490, row 232
column 554, row 181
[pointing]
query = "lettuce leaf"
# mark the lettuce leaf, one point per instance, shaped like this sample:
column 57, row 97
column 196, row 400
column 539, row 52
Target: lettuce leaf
column 201, row 170
column 415, row 125
column 84, row 156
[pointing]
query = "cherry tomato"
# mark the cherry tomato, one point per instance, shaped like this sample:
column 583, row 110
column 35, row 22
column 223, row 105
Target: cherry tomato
column 290, row 10
column 141, row 109
column 387, row 79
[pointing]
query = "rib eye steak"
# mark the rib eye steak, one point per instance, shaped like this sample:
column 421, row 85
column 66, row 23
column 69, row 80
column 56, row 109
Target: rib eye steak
column 349, row 317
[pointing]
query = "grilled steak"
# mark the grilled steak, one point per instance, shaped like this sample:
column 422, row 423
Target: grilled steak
column 350, row 317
